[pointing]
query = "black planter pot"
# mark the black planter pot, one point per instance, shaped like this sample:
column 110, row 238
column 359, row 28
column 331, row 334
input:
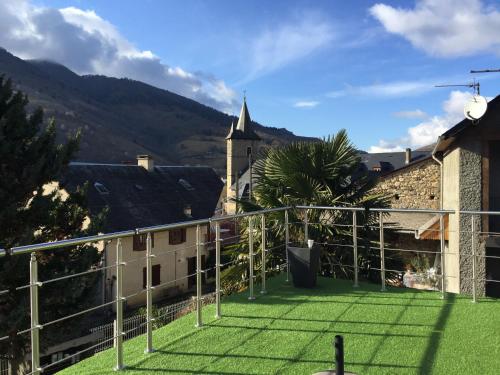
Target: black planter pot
column 304, row 265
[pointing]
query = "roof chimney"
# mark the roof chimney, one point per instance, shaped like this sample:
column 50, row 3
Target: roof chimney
column 146, row 161
column 407, row 156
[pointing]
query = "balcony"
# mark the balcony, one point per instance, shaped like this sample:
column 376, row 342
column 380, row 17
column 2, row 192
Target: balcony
column 389, row 327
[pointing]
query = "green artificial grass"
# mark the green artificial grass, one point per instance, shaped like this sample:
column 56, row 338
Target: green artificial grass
column 290, row 331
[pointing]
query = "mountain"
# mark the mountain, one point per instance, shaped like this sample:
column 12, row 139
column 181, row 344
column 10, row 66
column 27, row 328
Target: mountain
column 121, row 118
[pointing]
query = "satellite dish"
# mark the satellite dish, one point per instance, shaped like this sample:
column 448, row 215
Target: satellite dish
column 475, row 108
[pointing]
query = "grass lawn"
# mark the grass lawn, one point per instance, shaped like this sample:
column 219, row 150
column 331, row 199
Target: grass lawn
column 290, row 331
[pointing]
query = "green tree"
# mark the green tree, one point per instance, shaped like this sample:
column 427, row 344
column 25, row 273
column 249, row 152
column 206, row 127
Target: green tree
column 30, row 158
column 324, row 173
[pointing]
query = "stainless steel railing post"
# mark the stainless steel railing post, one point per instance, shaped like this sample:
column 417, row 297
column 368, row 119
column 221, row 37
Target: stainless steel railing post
column 441, row 243
column 473, row 225
column 355, row 247
column 250, row 257
column 382, row 251
column 306, row 226
column 35, row 326
column 287, row 240
column 263, row 260
column 217, row 270
column 149, row 294
column 199, row 321
column 119, row 306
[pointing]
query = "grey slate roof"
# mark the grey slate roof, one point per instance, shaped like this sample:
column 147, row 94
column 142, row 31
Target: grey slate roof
column 138, row 198
column 391, row 161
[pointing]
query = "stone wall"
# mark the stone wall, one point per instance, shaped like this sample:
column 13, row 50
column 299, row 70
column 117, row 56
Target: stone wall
column 416, row 186
column 470, row 199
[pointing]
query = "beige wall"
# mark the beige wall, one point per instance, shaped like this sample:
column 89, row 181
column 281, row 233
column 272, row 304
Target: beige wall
column 415, row 186
column 451, row 201
column 171, row 258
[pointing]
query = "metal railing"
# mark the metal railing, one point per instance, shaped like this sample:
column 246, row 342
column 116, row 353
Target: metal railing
column 353, row 226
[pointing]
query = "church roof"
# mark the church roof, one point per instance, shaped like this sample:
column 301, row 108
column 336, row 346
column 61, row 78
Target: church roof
column 243, row 129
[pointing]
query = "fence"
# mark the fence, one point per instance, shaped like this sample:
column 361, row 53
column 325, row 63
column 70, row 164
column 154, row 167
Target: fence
column 347, row 221
column 136, row 325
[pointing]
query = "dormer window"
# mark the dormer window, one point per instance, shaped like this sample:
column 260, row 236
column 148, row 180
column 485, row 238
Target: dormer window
column 185, row 184
column 103, row 190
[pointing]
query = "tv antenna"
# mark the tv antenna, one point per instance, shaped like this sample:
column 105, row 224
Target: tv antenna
column 476, row 107
column 474, row 85
column 486, row 71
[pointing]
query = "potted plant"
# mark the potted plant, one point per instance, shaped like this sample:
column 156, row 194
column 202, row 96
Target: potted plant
column 304, row 264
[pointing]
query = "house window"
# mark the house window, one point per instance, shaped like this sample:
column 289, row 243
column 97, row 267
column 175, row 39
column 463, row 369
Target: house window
column 155, row 277
column 177, row 236
column 191, row 270
column 140, row 242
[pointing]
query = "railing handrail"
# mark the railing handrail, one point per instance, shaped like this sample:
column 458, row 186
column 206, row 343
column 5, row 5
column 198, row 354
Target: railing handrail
column 156, row 228
column 144, row 230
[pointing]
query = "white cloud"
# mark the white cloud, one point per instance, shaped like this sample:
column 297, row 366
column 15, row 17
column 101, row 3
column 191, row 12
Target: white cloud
column 88, row 44
column 306, row 104
column 444, row 28
column 416, row 113
column 428, row 131
column 385, row 90
column 287, row 42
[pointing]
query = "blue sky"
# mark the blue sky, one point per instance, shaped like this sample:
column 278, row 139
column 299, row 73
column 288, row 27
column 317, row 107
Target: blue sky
column 312, row 67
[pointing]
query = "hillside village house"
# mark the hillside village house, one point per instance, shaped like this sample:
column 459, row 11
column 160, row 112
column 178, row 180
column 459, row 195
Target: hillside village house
column 144, row 195
column 462, row 172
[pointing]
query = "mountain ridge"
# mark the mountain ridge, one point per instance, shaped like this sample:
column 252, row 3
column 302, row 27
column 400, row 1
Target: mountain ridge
column 121, row 118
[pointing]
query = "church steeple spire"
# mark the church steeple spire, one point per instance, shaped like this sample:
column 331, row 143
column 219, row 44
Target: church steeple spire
column 244, row 127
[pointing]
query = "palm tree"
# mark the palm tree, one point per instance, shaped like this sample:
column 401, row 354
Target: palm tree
column 323, row 173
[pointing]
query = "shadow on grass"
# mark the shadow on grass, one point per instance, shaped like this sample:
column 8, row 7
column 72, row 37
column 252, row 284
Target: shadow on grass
column 429, row 356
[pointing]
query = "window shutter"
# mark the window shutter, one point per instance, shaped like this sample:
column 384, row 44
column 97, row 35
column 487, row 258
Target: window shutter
column 156, row 274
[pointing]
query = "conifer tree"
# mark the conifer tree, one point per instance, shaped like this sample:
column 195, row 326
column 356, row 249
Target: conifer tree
column 30, row 159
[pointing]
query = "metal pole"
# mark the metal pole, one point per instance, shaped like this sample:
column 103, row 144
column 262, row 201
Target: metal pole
column 119, row 306
column 473, row 222
column 217, row 270
column 382, row 255
column 355, row 247
column 199, row 322
column 250, row 182
column 287, row 240
column 149, row 295
column 263, row 249
column 306, row 226
column 441, row 241
column 35, row 326
column 339, row 355
column 250, row 256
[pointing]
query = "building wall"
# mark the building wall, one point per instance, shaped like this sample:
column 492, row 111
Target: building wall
column 415, row 186
column 171, row 258
column 470, row 199
column 451, row 195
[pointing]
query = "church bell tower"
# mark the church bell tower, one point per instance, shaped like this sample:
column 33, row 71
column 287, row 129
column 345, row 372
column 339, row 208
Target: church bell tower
column 242, row 143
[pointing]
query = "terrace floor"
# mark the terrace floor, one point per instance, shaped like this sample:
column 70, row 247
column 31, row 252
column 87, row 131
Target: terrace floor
column 290, row 331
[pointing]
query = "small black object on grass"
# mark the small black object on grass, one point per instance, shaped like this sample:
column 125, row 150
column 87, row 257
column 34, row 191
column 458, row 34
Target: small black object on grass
column 338, row 345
